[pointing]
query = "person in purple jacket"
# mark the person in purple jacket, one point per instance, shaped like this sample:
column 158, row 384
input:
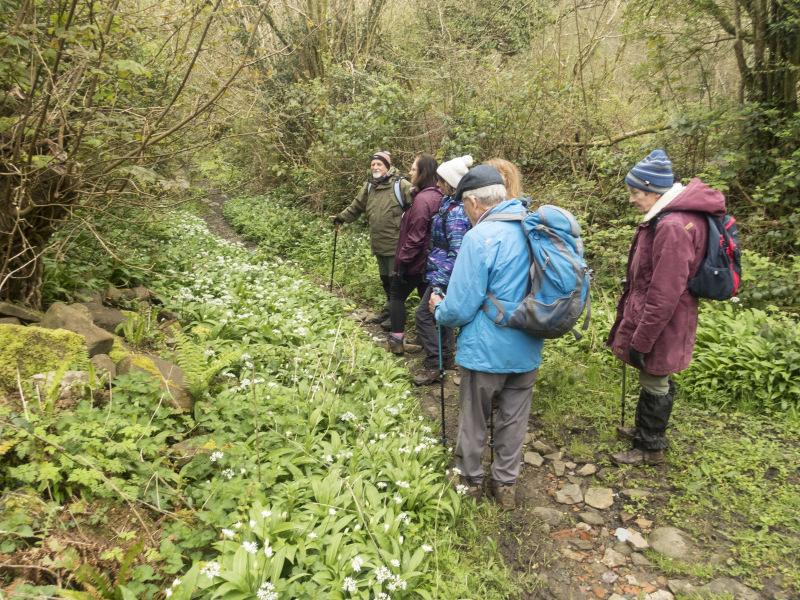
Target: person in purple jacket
column 412, row 249
column 656, row 325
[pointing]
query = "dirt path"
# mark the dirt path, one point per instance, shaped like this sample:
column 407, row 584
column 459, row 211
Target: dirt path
column 558, row 533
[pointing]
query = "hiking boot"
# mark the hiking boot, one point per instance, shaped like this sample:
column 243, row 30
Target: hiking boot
column 397, row 345
column 386, row 325
column 506, row 496
column 381, row 317
column 636, row 457
column 428, row 377
column 626, row 433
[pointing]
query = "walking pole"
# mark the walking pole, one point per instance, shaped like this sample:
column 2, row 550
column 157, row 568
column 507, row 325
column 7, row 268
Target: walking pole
column 491, row 429
column 333, row 260
column 624, row 370
column 438, row 292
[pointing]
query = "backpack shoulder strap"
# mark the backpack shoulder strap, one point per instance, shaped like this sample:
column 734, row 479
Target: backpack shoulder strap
column 503, row 216
column 444, row 222
column 398, row 193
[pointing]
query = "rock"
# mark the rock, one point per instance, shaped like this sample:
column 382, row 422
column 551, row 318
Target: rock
column 598, row 591
column 626, row 517
column 574, row 479
column 183, row 452
column 551, row 516
column 581, row 544
column 10, row 321
column 533, row 458
column 104, row 317
column 616, row 597
column 586, row 470
column 601, row 473
column 170, row 375
column 569, row 494
column 168, row 315
column 730, row 587
column 637, row 542
column 597, row 568
column 31, row 350
column 60, row 316
column 141, row 293
column 609, row 577
column 599, row 498
column 558, row 468
column 591, row 518
column 71, row 383
column 636, row 493
column 583, row 527
column 623, row 549
column 103, row 364
column 660, row 595
column 569, row 464
column 113, row 295
column 7, row 309
column 572, row 555
column 528, row 438
column 672, row 542
column 554, row 456
column 541, row 447
column 644, row 523
column 681, row 586
column 612, row 558
column 640, row 560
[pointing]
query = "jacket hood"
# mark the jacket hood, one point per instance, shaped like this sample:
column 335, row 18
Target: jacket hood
column 695, row 197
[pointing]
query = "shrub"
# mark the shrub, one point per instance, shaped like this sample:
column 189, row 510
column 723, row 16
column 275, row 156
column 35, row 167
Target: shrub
column 745, row 359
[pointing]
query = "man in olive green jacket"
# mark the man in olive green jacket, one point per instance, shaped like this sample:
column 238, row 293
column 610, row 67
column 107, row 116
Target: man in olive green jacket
column 379, row 199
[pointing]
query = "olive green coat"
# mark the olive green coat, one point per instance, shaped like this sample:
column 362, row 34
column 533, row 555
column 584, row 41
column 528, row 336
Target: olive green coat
column 383, row 212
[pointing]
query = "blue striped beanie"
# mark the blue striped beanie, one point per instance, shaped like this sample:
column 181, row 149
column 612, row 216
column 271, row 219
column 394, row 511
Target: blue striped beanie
column 653, row 174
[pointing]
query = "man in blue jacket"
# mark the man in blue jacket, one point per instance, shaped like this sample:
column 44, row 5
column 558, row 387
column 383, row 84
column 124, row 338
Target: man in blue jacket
column 496, row 362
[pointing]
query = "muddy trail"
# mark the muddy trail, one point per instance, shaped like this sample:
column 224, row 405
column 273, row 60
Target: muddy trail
column 571, row 528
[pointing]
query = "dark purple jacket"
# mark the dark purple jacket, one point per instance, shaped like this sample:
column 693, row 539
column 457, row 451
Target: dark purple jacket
column 656, row 314
column 415, row 233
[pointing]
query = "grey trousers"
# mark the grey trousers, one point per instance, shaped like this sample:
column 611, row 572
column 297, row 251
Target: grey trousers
column 658, row 385
column 426, row 329
column 513, row 392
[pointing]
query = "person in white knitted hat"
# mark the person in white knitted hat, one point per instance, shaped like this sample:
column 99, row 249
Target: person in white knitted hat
column 448, row 227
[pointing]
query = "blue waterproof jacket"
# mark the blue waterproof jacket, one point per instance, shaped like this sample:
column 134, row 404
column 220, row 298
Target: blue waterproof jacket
column 493, row 256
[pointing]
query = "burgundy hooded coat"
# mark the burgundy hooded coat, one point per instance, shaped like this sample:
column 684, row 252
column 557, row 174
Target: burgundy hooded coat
column 415, row 231
column 656, row 314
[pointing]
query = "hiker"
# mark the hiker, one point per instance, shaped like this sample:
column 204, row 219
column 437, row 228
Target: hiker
column 384, row 198
column 656, row 323
column 412, row 249
column 511, row 178
column 496, row 362
column 447, row 229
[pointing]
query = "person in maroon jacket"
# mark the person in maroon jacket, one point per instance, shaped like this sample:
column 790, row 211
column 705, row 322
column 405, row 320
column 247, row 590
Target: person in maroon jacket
column 412, row 248
column 656, row 325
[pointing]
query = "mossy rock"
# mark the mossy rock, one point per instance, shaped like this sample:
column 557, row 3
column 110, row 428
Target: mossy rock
column 119, row 350
column 35, row 350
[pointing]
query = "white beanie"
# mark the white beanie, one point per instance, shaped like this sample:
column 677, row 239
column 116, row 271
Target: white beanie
column 453, row 170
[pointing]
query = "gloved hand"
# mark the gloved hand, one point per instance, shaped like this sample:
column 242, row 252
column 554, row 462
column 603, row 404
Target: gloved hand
column 636, row 358
column 336, row 219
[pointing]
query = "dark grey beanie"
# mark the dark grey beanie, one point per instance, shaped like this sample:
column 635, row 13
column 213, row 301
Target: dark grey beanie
column 478, row 177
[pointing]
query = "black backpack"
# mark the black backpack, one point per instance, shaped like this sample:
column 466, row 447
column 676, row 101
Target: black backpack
column 720, row 272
